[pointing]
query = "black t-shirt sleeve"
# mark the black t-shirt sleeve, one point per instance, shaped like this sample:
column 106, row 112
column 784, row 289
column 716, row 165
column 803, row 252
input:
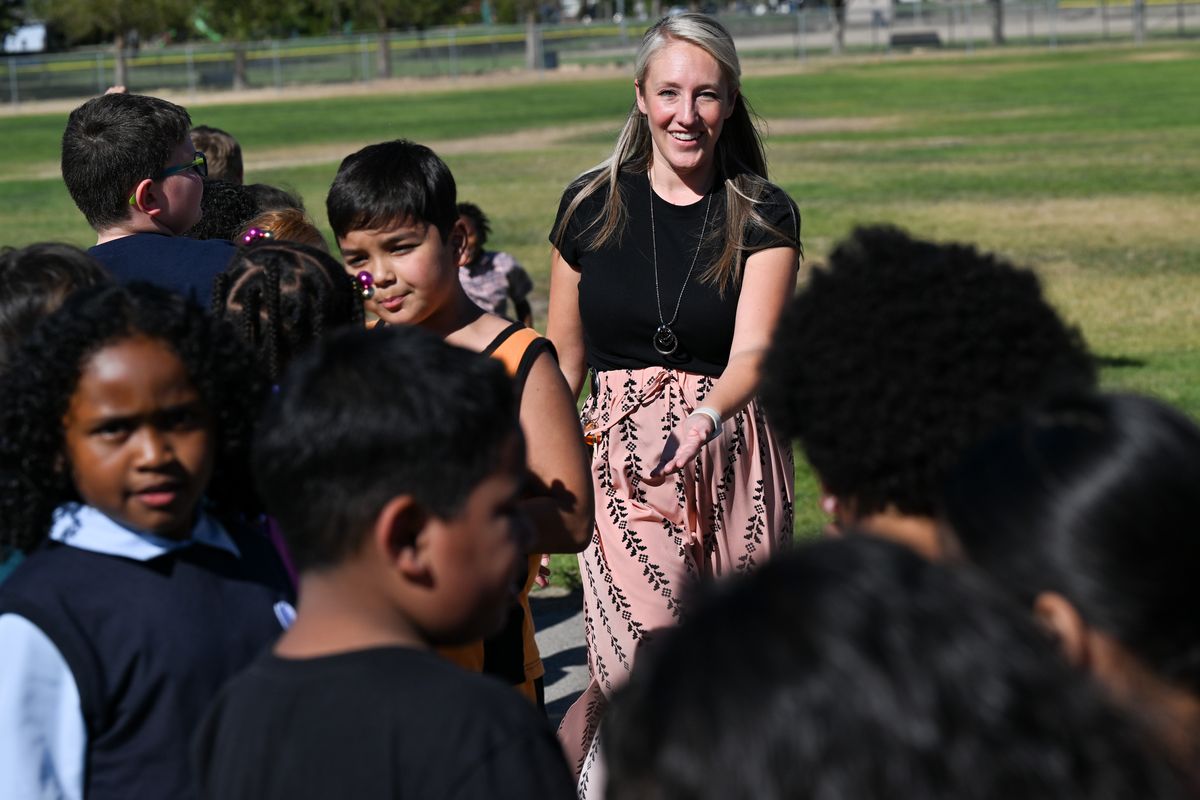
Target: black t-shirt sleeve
column 780, row 213
column 571, row 247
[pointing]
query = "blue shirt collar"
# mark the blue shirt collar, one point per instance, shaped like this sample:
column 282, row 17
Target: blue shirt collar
column 84, row 527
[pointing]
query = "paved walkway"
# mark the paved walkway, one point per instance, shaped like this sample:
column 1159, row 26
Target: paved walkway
column 558, row 614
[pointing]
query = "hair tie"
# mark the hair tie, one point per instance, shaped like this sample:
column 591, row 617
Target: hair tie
column 365, row 284
column 254, row 234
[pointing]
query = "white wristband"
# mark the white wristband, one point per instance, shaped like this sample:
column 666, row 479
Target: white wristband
column 712, row 414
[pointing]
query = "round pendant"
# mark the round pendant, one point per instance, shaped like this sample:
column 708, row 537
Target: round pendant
column 665, row 341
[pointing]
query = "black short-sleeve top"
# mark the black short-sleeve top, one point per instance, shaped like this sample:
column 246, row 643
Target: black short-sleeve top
column 617, row 288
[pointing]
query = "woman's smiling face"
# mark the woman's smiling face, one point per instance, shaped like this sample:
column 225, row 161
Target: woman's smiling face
column 686, row 100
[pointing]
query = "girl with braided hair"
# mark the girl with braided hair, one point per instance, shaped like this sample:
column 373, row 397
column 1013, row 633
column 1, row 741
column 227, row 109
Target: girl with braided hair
column 281, row 297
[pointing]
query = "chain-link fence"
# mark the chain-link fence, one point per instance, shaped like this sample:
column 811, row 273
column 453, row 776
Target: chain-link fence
column 453, row 52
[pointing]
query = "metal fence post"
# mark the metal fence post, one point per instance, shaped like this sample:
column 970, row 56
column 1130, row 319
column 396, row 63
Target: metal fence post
column 365, row 60
column 453, row 48
column 1052, row 10
column 1139, row 21
column 100, row 86
column 966, row 12
column 13, row 84
column 276, row 66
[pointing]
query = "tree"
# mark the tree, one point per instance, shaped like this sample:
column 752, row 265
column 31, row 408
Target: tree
column 11, row 15
column 839, row 25
column 997, row 21
column 119, row 19
column 242, row 21
column 384, row 15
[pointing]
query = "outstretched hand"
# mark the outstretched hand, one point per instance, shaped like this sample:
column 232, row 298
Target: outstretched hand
column 683, row 444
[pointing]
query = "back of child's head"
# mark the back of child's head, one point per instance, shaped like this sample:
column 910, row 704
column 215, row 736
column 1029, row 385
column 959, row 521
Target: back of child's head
column 274, row 198
column 45, row 372
column 281, row 297
column 483, row 227
column 902, row 353
column 221, row 150
column 283, row 225
column 366, row 416
column 856, row 669
column 1094, row 499
column 225, row 210
column 34, row 281
column 387, row 183
column 110, row 144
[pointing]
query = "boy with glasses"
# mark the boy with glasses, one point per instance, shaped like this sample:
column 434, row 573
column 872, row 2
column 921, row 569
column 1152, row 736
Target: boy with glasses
column 129, row 164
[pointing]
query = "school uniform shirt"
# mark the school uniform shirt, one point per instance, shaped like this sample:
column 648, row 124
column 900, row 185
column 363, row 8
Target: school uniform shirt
column 44, row 718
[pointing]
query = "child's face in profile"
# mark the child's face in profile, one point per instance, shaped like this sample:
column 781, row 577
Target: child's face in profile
column 139, row 439
column 480, row 552
column 180, row 192
column 413, row 269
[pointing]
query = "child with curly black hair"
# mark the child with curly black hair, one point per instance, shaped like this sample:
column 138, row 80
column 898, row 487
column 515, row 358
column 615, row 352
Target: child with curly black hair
column 281, row 297
column 124, row 424
column 897, row 357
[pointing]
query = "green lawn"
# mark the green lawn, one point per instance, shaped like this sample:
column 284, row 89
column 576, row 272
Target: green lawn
column 1083, row 163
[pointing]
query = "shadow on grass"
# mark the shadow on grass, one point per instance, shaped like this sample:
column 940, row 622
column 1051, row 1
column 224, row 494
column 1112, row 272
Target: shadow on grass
column 1119, row 362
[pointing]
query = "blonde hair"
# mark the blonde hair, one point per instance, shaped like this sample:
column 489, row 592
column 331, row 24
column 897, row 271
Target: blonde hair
column 740, row 160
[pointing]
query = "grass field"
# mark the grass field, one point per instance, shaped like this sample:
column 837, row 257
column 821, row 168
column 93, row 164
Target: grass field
column 1082, row 163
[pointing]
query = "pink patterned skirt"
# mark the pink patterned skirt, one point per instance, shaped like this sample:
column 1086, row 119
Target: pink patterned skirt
column 655, row 537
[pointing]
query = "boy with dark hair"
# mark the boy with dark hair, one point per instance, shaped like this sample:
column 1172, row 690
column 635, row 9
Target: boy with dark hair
column 393, row 208
column 897, row 357
column 223, row 152
column 393, row 463
column 130, row 166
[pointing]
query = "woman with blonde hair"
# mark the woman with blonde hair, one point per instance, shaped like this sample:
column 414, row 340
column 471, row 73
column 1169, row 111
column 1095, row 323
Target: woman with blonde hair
column 672, row 262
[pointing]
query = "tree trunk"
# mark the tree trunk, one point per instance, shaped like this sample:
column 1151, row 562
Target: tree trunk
column 239, row 66
column 997, row 21
column 120, row 65
column 383, row 64
column 839, row 26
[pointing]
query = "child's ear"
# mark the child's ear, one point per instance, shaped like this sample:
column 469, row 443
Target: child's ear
column 458, row 243
column 145, row 199
column 397, row 538
column 1057, row 615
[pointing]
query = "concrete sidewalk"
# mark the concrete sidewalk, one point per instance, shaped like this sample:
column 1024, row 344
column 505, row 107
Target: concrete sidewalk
column 558, row 615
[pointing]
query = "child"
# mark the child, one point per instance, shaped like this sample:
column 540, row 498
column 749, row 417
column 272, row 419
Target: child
column 281, row 297
column 226, row 209
column 223, row 152
column 491, row 278
column 393, row 462
column 131, row 168
column 122, row 419
column 34, row 281
column 855, row 669
column 284, row 225
column 1084, row 512
column 392, row 209
column 896, row 358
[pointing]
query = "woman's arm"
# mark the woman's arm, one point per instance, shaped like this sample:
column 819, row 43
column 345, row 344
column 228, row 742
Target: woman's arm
column 561, row 506
column 564, row 327
column 769, row 282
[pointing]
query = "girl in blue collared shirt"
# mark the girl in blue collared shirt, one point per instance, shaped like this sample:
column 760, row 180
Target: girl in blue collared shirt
column 123, row 425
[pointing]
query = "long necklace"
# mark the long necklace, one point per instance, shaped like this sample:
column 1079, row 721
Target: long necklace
column 665, row 341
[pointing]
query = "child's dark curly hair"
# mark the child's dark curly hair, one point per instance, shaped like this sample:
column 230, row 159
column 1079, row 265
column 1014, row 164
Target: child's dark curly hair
column 36, row 391
column 902, row 353
column 281, row 297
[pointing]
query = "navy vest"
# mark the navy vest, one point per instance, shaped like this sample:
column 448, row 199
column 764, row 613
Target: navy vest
column 149, row 644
